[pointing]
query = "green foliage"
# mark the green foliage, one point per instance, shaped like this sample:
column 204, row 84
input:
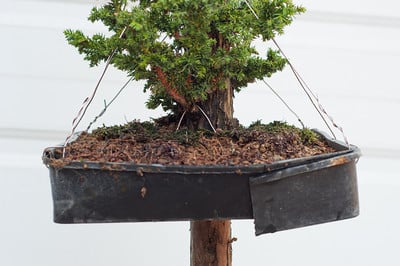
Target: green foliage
column 197, row 44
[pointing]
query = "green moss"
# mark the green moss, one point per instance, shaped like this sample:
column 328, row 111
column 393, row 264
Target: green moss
column 149, row 131
column 131, row 128
column 273, row 127
column 307, row 136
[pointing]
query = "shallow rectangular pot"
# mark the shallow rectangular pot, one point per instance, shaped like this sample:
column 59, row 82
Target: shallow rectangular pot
column 278, row 196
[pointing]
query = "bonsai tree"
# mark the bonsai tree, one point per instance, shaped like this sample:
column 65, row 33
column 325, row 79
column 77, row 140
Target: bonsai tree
column 194, row 56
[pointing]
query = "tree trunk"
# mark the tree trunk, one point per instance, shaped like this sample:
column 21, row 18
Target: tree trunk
column 211, row 242
column 218, row 108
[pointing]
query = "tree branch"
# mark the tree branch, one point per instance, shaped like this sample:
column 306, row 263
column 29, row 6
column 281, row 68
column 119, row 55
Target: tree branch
column 172, row 92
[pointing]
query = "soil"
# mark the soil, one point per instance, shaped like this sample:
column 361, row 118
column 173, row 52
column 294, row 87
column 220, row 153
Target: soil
column 153, row 143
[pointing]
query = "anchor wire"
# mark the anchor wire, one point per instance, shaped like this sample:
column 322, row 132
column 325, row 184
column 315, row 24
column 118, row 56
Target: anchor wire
column 106, row 105
column 284, row 102
column 321, row 107
column 312, row 97
column 180, row 121
column 85, row 105
column 208, row 119
column 305, row 88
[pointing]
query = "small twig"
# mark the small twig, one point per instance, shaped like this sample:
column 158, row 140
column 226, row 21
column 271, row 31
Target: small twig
column 233, row 239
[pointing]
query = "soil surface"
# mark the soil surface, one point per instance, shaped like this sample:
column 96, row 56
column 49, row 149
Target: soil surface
column 151, row 143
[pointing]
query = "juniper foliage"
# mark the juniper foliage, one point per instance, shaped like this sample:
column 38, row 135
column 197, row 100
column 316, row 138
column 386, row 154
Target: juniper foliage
column 186, row 49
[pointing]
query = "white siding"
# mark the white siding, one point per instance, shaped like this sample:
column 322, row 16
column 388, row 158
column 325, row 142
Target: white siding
column 347, row 51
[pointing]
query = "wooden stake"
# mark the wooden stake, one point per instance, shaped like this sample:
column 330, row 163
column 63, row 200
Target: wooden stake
column 210, row 243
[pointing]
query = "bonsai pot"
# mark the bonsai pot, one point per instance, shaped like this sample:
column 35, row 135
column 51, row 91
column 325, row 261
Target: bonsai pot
column 278, row 196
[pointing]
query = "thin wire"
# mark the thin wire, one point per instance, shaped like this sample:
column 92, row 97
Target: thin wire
column 303, row 86
column 107, row 105
column 284, row 102
column 88, row 100
column 208, row 119
column 251, row 9
column 180, row 121
column 313, row 98
column 320, row 109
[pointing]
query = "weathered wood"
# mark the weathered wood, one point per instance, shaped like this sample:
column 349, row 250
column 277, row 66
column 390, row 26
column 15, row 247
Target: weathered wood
column 211, row 243
column 211, row 240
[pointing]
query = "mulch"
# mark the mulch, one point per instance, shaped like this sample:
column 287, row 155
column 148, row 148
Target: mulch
column 163, row 145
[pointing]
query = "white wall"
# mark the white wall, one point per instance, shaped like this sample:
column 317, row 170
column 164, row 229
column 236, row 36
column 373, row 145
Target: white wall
column 348, row 53
column 347, row 57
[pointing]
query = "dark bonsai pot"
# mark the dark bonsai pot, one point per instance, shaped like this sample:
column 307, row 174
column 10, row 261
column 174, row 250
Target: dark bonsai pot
column 283, row 195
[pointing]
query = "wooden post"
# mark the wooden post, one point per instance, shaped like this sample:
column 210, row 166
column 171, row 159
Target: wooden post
column 210, row 243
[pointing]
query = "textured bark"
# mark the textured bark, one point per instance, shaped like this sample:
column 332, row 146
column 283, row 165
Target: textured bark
column 219, row 108
column 211, row 243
